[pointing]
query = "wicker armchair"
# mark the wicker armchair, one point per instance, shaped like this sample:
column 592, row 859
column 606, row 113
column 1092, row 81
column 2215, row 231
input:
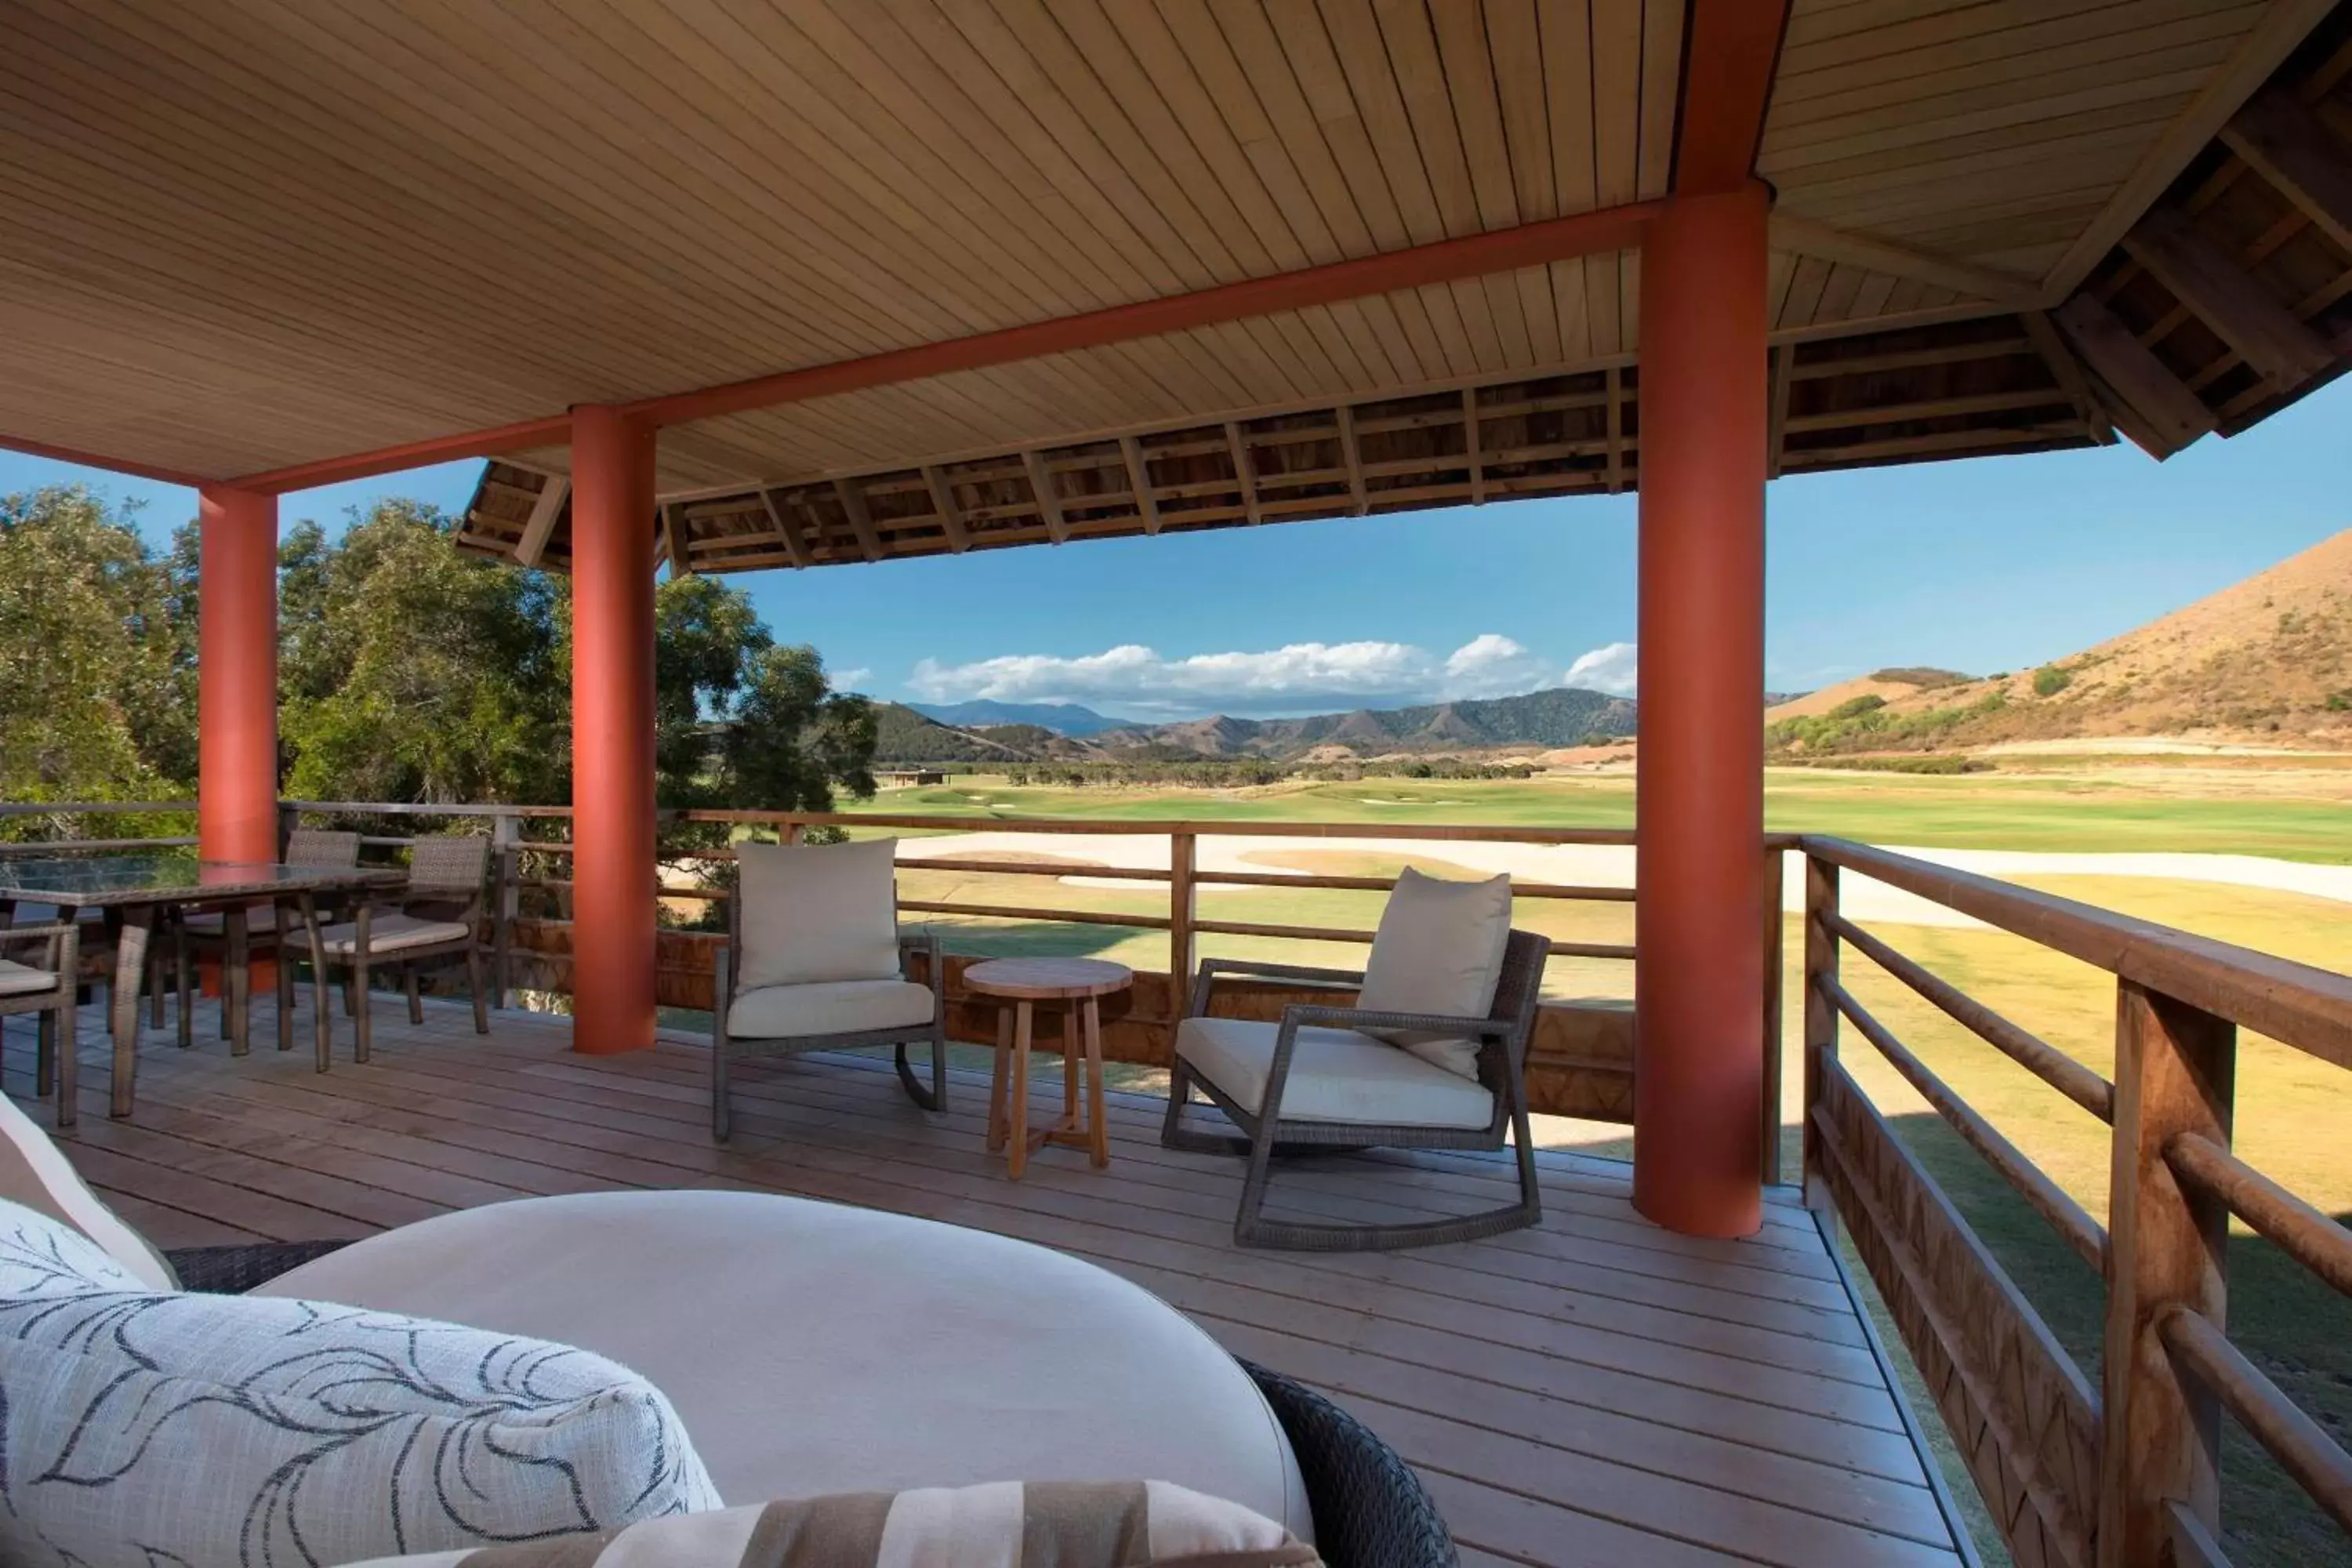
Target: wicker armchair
column 203, row 933
column 438, row 917
column 1502, row 1038
column 48, row 985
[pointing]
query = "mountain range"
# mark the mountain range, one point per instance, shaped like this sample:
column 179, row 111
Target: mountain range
column 1062, row 717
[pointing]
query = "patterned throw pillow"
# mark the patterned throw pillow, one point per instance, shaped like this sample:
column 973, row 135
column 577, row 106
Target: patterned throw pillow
column 139, row 1427
column 1005, row 1524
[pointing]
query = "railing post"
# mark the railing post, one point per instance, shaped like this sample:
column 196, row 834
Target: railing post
column 2175, row 1068
column 1183, row 909
column 1820, row 1013
column 1774, row 939
column 506, row 829
column 290, row 817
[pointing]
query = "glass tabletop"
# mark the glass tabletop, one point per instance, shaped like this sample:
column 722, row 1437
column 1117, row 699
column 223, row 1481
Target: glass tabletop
column 171, row 877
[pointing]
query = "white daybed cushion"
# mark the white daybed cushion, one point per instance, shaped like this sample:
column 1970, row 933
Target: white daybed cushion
column 1069, row 1524
column 35, row 1174
column 20, row 979
column 813, row 1348
column 144, row 1426
column 388, row 934
column 1439, row 949
column 1336, row 1075
column 816, row 912
column 837, row 1007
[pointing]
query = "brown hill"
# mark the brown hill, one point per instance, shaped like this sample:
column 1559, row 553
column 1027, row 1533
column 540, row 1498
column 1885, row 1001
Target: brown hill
column 1887, row 685
column 2268, row 661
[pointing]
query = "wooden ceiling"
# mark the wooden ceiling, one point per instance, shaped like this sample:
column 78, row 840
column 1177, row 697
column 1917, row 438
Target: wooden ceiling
column 247, row 236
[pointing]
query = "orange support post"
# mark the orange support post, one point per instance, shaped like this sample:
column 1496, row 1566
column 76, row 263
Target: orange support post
column 612, row 730
column 236, row 675
column 1699, row 794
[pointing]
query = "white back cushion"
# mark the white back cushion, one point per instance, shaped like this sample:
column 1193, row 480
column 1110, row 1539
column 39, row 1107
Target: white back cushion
column 35, row 1172
column 1439, row 949
column 258, row 1430
column 816, row 912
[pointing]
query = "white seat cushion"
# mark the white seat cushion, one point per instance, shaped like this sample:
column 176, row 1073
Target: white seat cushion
column 21, row 979
column 812, row 1348
column 1336, row 1075
column 838, row 1007
column 251, row 1429
column 390, row 935
column 37, row 1174
column 214, row 922
column 1439, row 950
column 816, row 912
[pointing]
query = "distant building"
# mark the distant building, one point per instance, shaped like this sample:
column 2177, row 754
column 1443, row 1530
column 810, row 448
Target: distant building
column 908, row 778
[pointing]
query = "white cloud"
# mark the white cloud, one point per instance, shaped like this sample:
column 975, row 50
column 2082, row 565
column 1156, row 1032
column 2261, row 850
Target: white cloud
column 1302, row 678
column 851, row 680
column 1614, row 669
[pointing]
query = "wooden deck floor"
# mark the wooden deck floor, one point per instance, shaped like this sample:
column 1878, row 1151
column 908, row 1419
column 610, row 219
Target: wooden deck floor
column 1590, row 1392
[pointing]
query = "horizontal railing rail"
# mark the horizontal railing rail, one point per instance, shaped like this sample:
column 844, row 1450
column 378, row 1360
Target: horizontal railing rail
column 2131, row 1475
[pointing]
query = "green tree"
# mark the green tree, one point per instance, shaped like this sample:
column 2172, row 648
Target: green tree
column 87, row 703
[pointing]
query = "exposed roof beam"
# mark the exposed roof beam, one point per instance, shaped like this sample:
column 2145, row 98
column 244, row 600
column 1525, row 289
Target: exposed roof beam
column 1730, row 55
column 32, row 448
column 2262, row 51
column 1807, row 238
column 1616, row 385
column 677, row 540
column 861, row 521
column 943, row 502
column 1470, row 444
column 1138, row 480
column 2067, row 372
column 2287, row 144
column 555, row 430
column 1352, row 457
column 786, row 529
column 2156, row 408
column 540, row 525
column 1244, row 475
column 2208, row 280
column 1784, row 359
column 1048, row 499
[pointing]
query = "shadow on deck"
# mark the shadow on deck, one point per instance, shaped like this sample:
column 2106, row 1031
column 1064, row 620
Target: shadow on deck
column 1591, row 1390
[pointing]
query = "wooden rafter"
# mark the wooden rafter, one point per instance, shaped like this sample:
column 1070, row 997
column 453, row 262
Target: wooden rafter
column 2287, row 144
column 861, row 519
column 677, row 540
column 1048, row 498
column 2209, row 282
column 2151, row 405
column 1138, row 483
column 943, row 501
column 1777, row 433
column 1728, row 58
column 2067, row 371
column 785, row 529
column 1807, row 238
column 1616, row 416
column 541, row 521
column 1245, row 475
column 1352, row 456
column 1471, row 446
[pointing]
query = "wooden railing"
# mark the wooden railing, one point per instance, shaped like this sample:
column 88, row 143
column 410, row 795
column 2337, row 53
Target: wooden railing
column 2127, row 1474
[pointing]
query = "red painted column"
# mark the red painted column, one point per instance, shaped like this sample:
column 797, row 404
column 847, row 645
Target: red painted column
column 1699, row 793
column 236, row 675
column 611, row 732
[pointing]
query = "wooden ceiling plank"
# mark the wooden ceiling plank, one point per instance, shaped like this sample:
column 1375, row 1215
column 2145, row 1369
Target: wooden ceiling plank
column 2207, row 279
column 2293, row 148
column 1139, row 481
column 1807, row 238
column 1047, row 495
column 2284, row 25
column 544, row 510
column 1352, row 455
column 861, row 519
column 2167, row 414
column 943, row 501
column 795, row 551
column 1245, row 474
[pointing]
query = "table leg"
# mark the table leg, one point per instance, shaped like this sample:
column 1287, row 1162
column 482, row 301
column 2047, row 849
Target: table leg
column 281, row 920
column 322, row 995
column 236, row 978
column 1017, row 1154
column 1073, row 1050
column 184, row 978
column 122, row 1002
column 997, row 1076
column 359, row 994
column 1097, row 1129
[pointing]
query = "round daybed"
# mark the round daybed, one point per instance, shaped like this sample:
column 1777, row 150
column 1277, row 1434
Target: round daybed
column 809, row 1347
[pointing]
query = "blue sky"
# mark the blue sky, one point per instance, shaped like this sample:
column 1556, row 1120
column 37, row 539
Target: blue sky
column 1988, row 564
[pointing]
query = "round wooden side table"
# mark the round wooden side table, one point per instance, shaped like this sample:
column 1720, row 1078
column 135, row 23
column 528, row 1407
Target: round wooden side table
column 1077, row 987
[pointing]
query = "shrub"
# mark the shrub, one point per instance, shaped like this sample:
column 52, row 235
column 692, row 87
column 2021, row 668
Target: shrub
column 2050, row 680
column 1855, row 707
column 2340, row 701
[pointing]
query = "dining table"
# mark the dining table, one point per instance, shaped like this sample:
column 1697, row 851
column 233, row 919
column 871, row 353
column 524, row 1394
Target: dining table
column 133, row 890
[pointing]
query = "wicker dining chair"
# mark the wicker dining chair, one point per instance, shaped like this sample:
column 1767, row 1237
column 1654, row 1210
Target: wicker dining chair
column 436, row 915
column 203, row 933
column 1258, row 1109
column 49, row 986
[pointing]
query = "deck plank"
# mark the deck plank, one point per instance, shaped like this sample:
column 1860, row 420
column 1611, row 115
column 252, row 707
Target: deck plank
column 1591, row 1391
